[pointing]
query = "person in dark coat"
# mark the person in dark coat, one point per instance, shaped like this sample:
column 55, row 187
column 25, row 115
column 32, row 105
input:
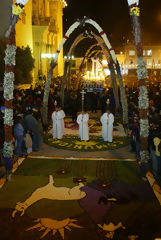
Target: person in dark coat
column 73, row 103
column 94, row 101
column 31, row 124
column 103, row 102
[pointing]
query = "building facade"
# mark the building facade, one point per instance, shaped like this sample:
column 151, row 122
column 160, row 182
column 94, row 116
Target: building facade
column 40, row 27
column 127, row 58
column 152, row 57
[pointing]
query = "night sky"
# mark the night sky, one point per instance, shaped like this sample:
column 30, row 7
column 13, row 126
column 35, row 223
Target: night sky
column 113, row 17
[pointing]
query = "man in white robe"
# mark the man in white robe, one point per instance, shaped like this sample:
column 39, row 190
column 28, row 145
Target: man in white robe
column 110, row 126
column 58, row 123
column 104, row 120
column 82, row 121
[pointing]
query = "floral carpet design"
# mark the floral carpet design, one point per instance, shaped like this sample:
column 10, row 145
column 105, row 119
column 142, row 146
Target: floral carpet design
column 96, row 143
column 94, row 125
column 43, row 201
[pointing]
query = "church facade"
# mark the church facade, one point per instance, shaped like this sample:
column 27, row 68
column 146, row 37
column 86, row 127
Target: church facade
column 40, row 27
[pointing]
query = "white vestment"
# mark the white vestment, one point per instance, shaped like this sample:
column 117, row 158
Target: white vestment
column 58, row 124
column 82, row 120
column 104, row 120
column 110, row 127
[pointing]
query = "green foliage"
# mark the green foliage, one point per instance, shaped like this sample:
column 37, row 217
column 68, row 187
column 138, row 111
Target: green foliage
column 24, row 64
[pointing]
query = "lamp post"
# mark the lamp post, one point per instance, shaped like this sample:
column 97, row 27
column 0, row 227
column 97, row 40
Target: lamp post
column 143, row 101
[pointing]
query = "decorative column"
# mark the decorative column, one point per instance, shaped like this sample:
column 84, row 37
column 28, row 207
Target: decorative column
column 10, row 54
column 143, row 101
column 10, row 62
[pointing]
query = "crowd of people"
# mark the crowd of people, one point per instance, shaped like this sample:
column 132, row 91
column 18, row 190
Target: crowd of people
column 154, row 117
column 28, row 126
column 27, row 129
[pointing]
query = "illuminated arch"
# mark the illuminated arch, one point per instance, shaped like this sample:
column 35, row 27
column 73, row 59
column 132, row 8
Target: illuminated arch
column 100, row 43
column 90, row 48
column 111, row 52
column 95, row 52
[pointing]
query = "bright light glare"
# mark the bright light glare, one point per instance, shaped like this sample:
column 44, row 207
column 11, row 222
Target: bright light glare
column 106, row 71
column 47, row 55
column 104, row 62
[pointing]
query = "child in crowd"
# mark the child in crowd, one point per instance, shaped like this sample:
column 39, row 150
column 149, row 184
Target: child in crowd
column 28, row 142
column 18, row 135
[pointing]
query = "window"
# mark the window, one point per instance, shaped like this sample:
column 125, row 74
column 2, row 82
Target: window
column 149, row 52
column 131, row 52
column 73, row 63
column 23, row 17
column 149, row 62
column 73, row 71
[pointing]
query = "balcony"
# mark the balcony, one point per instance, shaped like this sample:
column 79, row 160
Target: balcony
column 40, row 21
column 53, row 27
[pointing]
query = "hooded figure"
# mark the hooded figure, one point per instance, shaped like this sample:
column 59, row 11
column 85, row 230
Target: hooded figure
column 104, row 121
column 110, row 126
column 58, row 123
column 82, row 121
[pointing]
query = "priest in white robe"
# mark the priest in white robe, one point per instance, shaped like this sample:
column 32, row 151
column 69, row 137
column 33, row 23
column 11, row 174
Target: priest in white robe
column 58, row 123
column 110, row 126
column 82, row 121
column 104, row 120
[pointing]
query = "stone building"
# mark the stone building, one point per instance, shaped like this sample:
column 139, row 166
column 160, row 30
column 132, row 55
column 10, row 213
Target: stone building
column 41, row 28
column 127, row 59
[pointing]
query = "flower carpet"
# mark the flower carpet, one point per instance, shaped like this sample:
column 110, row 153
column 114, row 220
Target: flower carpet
column 94, row 125
column 71, row 141
column 96, row 143
column 56, row 199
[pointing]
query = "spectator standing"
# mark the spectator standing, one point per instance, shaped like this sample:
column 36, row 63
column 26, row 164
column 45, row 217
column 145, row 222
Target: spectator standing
column 73, row 103
column 19, row 136
column 31, row 124
column 94, row 101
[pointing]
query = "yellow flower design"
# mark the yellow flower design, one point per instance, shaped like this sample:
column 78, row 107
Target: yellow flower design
column 17, row 10
column 67, row 120
column 135, row 11
column 91, row 121
column 54, row 226
column 56, row 141
column 50, row 139
column 90, row 143
column 77, row 146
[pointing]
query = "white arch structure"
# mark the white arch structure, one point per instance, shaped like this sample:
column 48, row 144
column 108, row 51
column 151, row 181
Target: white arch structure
column 100, row 42
column 111, row 52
